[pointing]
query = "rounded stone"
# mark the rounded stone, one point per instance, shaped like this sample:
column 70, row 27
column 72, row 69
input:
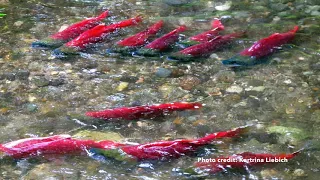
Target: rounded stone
column 234, row 89
column 22, row 74
column 10, row 76
column 122, row 86
column 299, row 173
column 163, row 72
column 41, row 81
column 31, row 107
column 189, row 82
column 2, row 76
column 129, row 79
column 225, row 76
column 224, row 7
column 18, row 23
column 56, row 82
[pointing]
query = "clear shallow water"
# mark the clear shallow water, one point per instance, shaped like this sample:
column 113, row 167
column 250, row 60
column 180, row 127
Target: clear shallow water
column 41, row 96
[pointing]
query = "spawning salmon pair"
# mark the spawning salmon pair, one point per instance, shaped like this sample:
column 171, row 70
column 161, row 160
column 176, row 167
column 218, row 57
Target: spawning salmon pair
column 128, row 152
column 82, row 35
column 159, row 150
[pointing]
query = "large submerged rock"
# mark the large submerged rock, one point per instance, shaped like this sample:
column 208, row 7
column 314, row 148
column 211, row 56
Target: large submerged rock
column 98, row 136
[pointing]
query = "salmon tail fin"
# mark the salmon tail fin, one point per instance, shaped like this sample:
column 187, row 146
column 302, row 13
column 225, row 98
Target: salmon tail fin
column 181, row 28
column 224, row 134
column 138, row 18
column 311, row 145
column 295, row 29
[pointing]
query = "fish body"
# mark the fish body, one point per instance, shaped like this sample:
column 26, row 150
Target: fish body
column 162, row 43
column 70, row 32
column 141, row 37
column 206, row 36
column 65, row 144
column 204, row 49
column 58, row 144
column 164, row 150
column 137, row 112
column 129, row 44
column 92, row 36
column 261, row 49
column 174, row 149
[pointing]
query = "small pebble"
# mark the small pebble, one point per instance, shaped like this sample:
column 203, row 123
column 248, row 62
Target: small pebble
column 290, row 110
column 178, row 121
column 287, row 81
column 276, row 60
column 307, row 73
column 32, row 107
column 234, row 89
column 122, row 86
column 215, row 56
column 315, row 13
column 163, row 72
column 177, row 73
column 189, row 82
column 268, row 173
column 199, row 122
column 10, row 76
column 56, row 82
column 41, row 81
column 23, row 74
column 224, row 7
column 300, row 101
column 225, row 76
column 210, row 4
column 186, row 21
column 260, row 126
column 129, row 79
column 69, row 71
column 31, row 98
column 140, row 80
column 258, row 88
column 4, row 110
column 299, row 173
column 17, row 172
column 2, row 76
column 54, row 73
column 142, row 124
column 18, row 23
column 276, row 19
column 214, row 92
